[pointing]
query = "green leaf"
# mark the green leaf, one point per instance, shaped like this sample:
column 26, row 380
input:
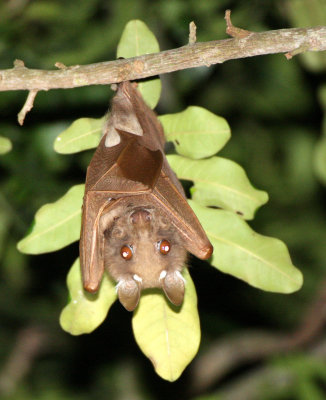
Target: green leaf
column 261, row 261
column 151, row 91
column 56, row 224
column 136, row 40
column 5, row 145
column 219, row 182
column 196, row 132
column 168, row 335
column 86, row 311
column 82, row 134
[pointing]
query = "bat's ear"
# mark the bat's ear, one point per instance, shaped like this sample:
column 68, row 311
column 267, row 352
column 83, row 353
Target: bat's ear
column 129, row 293
column 174, row 287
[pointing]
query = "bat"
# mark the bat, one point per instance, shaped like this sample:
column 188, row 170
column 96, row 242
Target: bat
column 136, row 222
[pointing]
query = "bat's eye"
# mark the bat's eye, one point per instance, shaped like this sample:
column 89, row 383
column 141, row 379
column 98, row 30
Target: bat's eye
column 164, row 246
column 126, row 252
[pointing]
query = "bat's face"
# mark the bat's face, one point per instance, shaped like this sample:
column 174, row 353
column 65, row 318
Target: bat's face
column 143, row 250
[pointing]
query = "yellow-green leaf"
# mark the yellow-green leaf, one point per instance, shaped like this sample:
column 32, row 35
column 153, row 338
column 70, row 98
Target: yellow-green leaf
column 221, row 183
column 136, row 40
column 86, row 311
column 82, row 134
column 168, row 335
column 5, row 145
column 196, row 132
column 261, row 261
column 56, row 224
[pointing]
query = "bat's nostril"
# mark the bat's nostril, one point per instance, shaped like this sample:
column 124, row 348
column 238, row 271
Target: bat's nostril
column 140, row 217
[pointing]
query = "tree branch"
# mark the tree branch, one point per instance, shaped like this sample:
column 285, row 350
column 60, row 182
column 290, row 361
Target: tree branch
column 288, row 41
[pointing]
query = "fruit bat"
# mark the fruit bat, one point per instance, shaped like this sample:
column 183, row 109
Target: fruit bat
column 136, row 222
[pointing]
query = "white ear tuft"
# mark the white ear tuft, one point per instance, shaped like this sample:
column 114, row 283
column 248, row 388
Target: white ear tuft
column 178, row 273
column 163, row 274
column 137, row 278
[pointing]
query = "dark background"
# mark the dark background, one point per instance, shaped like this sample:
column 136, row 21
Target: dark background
column 275, row 110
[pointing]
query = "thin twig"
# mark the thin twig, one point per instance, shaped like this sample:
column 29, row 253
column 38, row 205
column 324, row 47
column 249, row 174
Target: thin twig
column 27, row 106
column 60, row 65
column 301, row 49
column 232, row 30
column 192, row 33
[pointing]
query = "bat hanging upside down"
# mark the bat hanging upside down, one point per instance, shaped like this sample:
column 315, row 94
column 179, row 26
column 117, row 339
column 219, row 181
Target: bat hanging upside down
column 136, row 223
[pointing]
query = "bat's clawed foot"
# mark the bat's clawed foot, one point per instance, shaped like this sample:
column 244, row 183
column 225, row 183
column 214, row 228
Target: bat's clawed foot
column 129, row 292
column 173, row 284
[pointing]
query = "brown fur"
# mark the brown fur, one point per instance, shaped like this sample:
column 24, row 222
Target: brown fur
column 147, row 261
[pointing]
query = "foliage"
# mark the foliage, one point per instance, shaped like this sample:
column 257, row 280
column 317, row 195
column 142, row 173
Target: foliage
column 136, row 40
column 262, row 262
column 86, row 311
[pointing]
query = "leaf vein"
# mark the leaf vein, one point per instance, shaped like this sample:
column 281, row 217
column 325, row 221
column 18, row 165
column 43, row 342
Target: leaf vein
column 253, row 255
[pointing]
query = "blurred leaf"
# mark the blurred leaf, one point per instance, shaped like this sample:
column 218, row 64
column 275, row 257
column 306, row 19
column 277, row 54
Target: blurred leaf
column 43, row 11
column 5, row 145
column 309, row 390
column 56, row 224
column 219, row 182
column 5, row 218
column 44, row 135
column 322, row 99
column 136, row 40
column 168, row 335
column 299, row 179
column 305, row 369
column 320, row 159
column 86, row 311
column 196, row 132
column 307, row 13
column 82, row 134
column 16, row 277
column 261, row 261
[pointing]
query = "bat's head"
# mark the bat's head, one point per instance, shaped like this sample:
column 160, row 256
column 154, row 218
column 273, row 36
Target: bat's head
column 143, row 250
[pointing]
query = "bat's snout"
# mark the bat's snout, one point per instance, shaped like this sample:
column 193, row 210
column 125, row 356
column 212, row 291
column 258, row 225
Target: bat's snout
column 140, row 217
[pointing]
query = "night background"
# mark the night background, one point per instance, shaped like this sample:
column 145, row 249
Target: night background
column 275, row 109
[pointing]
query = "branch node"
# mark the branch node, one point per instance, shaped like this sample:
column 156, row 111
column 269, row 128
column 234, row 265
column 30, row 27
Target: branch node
column 27, row 106
column 19, row 64
column 237, row 33
column 60, row 65
column 298, row 50
column 192, row 33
